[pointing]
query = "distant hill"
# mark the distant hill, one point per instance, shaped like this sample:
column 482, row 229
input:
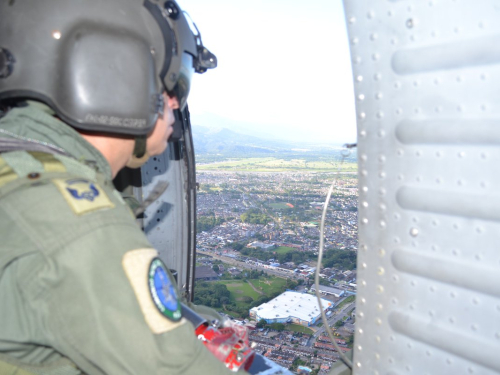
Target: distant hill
column 226, row 142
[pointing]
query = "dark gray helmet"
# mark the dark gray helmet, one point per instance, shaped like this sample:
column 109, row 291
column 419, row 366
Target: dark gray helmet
column 101, row 65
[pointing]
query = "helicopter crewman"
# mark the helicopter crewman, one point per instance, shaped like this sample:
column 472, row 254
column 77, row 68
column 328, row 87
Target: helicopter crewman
column 87, row 88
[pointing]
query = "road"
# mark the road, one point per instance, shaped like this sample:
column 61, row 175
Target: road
column 331, row 321
column 247, row 266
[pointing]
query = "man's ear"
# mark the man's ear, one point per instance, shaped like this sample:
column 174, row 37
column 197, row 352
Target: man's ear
column 172, row 102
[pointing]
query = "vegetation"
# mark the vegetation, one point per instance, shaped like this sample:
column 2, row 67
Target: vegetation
column 295, row 256
column 350, row 341
column 236, row 296
column 237, row 246
column 281, row 255
column 257, row 253
column 239, row 289
column 211, row 295
column 280, row 206
column 277, row 326
column 299, row 328
column 206, row 223
column 341, row 259
column 296, row 363
column 254, row 216
column 283, row 250
column 270, row 164
column 261, row 323
column 345, row 302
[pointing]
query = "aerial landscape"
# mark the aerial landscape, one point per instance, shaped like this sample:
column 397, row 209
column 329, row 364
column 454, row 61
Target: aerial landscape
column 259, row 207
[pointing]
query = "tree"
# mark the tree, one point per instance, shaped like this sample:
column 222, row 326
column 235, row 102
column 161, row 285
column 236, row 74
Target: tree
column 323, row 281
column 211, row 295
column 261, row 323
column 206, row 223
column 350, row 341
column 216, row 268
column 237, row 246
column 254, row 216
column 296, row 363
column 342, row 259
column 339, row 323
column 247, row 299
column 260, row 237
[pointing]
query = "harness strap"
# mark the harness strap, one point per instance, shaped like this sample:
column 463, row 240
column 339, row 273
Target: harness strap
column 12, row 144
column 21, row 158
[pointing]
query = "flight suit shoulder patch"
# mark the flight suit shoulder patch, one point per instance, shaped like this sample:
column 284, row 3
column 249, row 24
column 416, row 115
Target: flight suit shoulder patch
column 154, row 289
column 83, row 196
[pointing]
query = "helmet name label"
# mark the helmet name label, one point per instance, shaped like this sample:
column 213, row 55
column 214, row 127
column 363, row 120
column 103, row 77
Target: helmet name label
column 115, row 121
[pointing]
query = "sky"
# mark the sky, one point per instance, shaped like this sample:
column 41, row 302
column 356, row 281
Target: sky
column 283, row 69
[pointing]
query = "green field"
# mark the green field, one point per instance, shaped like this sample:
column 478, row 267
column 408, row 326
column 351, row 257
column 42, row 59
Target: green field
column 298, row 328
column 269, row 286
column 279, row 206
column 240, row 288
column 283, row 249
column 271, row 164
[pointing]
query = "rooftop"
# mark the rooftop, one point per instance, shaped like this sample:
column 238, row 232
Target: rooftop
column 328, row 289
column 205, row 272
column 291, row 304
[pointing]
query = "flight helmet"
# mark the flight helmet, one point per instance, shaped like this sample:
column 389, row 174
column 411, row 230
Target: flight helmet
column 101, row 65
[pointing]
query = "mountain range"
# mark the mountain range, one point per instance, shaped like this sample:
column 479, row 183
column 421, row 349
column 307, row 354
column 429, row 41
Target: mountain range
column 228, row 142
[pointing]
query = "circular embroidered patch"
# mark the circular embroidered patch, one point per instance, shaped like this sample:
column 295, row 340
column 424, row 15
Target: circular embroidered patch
column 163, row 291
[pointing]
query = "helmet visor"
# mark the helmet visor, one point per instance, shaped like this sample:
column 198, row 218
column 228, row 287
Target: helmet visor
column 183, row 84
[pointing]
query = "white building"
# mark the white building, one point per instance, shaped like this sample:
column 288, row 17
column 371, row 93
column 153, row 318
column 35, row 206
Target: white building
column 290, row 307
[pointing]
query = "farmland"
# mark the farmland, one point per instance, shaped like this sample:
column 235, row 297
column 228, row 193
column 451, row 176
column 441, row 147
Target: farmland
column 272, row 164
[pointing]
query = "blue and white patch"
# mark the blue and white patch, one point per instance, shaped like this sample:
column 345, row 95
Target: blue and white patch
column 163, row 291
column 83, row 196
column 82, row 189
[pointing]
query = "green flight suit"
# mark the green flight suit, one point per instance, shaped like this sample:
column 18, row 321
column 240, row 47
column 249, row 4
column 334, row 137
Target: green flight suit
column 70, row 298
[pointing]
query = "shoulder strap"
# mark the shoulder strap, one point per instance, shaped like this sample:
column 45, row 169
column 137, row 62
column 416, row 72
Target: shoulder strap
column 21, row 158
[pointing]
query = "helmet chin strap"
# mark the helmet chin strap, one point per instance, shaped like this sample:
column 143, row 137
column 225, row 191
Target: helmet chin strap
column 140, row 155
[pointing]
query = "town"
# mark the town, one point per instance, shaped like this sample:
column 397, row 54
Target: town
column 258, row 229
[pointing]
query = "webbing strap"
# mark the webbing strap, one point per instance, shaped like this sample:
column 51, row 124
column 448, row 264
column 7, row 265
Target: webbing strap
column 6, row 173
column 49, row 162
column 22, row 163
column 12, row 144
column 38, row 158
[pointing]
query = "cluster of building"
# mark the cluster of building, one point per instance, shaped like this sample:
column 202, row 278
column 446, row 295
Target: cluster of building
column 235, row 193
column 285, row 347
